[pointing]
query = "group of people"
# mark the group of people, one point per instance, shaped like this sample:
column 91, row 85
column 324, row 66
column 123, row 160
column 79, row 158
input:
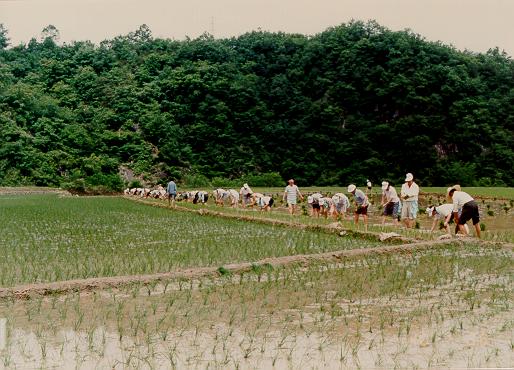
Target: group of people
column 403, row 207
column 461, row 209
column 221, row 197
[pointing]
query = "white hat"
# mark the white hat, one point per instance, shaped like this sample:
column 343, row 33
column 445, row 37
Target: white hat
column 368, row 184
column 245, row 186
column 385, row 184
column 351, row 188
column 409, row 177
column 430, row 211
column 454, row 187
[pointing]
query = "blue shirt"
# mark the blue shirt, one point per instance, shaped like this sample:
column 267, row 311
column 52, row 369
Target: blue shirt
column 172, row 187
column 360, row 198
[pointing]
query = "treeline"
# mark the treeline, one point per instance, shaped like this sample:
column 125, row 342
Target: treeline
column 354, row 102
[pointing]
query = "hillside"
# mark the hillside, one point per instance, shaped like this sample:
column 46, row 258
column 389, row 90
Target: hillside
column 356, row 101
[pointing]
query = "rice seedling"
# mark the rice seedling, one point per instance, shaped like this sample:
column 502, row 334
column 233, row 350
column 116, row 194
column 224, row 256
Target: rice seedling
column 358, row 312
column 263, row 321
column 46, row 238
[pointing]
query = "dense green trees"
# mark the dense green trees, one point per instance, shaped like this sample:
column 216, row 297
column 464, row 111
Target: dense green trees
column 356, row 101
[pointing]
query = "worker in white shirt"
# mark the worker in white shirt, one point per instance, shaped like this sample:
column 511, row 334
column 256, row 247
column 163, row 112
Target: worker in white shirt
column 390, row 202
column 442, row 212
column 245, row 194
column 409, row 195
column 469, row 209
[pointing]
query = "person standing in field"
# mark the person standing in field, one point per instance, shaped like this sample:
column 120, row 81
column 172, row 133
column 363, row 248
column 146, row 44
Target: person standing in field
column 361, row 204
column 172, row 192
column 468, row 208
column 390, row 202
column 409, row 195
column 291, row 193
column 369, row 190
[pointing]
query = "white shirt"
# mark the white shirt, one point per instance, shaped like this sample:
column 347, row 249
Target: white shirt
column 292, row 193
column 391, row 195
column 244, row 191
column 341, row 198
column 412, row 192
column 316, row 197
column 443, row 210
column 459, row 199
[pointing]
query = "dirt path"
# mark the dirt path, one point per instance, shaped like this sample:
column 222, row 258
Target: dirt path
column 59, row 287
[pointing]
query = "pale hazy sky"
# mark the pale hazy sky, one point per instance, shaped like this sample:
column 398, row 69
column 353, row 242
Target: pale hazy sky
column 467, row 24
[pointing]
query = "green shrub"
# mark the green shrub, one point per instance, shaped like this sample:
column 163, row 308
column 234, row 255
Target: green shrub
column 196, row 181
column 223, row 271
column 220, row 182
column 75, row 186
column 96, row 184
column 111, row 182
column 135, row 184
column 268, row 179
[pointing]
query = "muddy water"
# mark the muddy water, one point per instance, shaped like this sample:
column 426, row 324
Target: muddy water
column 482, row 342
column 438, row 331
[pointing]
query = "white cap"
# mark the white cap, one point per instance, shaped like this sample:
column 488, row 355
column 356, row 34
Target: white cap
column 430, row 211
column 245, row 186
column 368, row 184
column 351, row 188
column 454, row 187
column 409, row 177
column 385, row 184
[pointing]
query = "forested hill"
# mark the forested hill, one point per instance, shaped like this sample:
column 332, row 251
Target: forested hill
column 354, row 102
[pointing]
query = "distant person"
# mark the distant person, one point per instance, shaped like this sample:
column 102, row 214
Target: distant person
column 326, row 206
column 369, row 190
column 341, row 205
column 255, row 199
column 245, row 194
column 361, row 204
column 463, row 202
column 390, row 202
column 171, row 189
column 265, row 202
column 222, row 195
column 291, row 193
column 313, row 200
column 409, row 195
column 439, row 213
